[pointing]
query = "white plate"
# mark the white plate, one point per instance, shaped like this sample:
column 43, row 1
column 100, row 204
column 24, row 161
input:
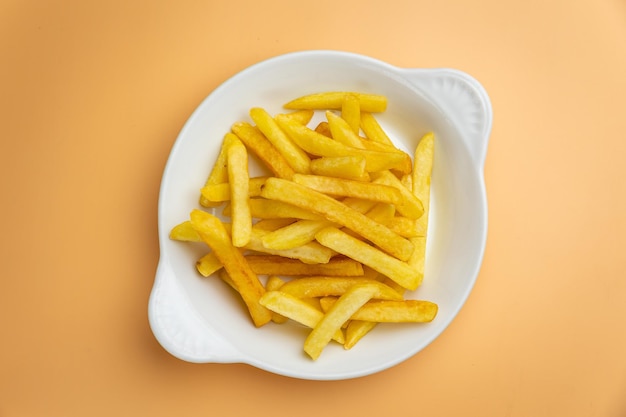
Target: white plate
column 199, row 320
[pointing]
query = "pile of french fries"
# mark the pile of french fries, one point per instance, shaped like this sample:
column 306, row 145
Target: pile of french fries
column 335, row 233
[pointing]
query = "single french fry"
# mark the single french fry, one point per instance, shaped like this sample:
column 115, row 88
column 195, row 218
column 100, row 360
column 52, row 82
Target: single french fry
column 351, row 112
column 323, row 129
column 277, row 265
column 274, row 283
column 295, row 156
column 250, row 288
column 208, row 264
column 221, row 192
column 397, row 270
column 219, row 172
column 372, row 129
column 422, row 172
column 323, row 286
column 356, row 330
column 339, row 313
column 348, row 167
column 238, row 178
column 333, row 100
column 410, row 206
column 392, row 311
column 309, row 253
column 184, row 232
column 259, row 145
column 298, row 310
column 303, row 116
column 337, row 212
column 341, row 187
column 294, row 235
column 319, row 145
column 342, row 131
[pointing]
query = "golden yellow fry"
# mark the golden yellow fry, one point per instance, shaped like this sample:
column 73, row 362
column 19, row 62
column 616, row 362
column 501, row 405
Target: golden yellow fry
column 310, row 253
column 295, row 156
column 422, row 172
column 298, row 310
column 397, row 270
column 351, row 112
column 221, row 192
column 185, row 232
column 339, row 313
column 208, row 264
column 372, row 129
column 250, row 288
column 277, row 265
column 323, row 286
column 333, row 100
column 274, row 283
column 323, row 129
column 337, row 212
column 348, row 167
column 303, row 116
column 341, row 187
column 410, row 205
column 317, row 144
column 294, row 235
column 356, row 330
column 238, row 178
column 392, row 311
column 342, row 132
column 219, row 173
column 258, row 144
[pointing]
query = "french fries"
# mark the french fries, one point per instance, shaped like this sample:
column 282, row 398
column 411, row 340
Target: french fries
column 333, row 235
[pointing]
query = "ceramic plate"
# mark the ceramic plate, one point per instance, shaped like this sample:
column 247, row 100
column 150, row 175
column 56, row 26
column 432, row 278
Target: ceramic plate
column 200, row 320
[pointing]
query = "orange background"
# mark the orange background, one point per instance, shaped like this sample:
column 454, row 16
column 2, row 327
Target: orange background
column 93, row 95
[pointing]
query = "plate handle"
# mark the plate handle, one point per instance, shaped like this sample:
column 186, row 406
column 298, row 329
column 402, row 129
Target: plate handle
column 178, row 328
column 461, row 98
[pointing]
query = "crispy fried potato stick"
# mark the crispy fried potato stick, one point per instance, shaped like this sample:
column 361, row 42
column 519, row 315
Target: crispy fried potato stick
column 341, row 187
column 399, row 271
column 372, row 129
column 184, row 232
column 238, row 178
column 338, row 314
column 250, row 288
column 333, row 100
column 348, row 167
column 323, row 286
column 277, row 265
column 351, row 112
